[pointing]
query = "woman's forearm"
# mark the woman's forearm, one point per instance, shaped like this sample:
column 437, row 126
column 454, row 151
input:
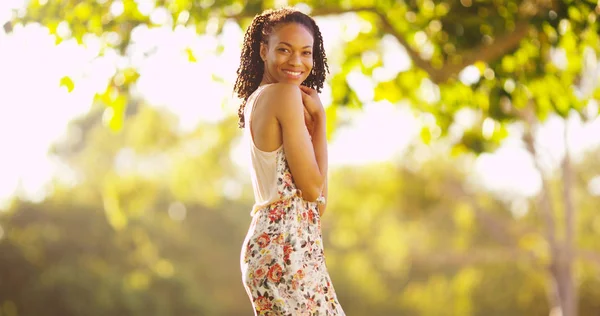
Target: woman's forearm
column 319, row 142
column 324, row 194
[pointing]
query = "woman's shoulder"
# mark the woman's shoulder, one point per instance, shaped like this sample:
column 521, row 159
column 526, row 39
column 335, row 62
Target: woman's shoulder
column 282, row 94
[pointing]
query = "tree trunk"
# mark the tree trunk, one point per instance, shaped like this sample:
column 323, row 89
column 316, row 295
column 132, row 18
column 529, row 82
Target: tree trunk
column 562, row 293
column 569, row 291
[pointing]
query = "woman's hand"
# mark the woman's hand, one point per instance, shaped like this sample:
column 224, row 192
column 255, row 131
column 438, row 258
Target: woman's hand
column 311, row 101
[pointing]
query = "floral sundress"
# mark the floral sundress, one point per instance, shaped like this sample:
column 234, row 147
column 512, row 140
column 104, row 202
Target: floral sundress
column 282, row 259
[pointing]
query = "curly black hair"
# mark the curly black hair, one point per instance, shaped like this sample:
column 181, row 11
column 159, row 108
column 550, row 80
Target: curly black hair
column 252, row 67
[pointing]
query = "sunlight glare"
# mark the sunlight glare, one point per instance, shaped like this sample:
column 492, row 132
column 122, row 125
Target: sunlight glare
column 226, row 69
column 145, row 6
column 395, row 58
column 377, row 133
column 559, row 58
column 169, row 80
column 330, row 32
column 6, row 8
column 489, row 125
column 594, row 186
column 509, row 170
column 429, row 91
column 117, row 8
column 35, row 108
column 161, row 16
column 469, row 75
column 240, row 154
column 350, row 30
column 551, row 144
column 362, row 85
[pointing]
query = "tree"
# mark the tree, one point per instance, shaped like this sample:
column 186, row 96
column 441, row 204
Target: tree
column 124, row 240
column 527, row 60
column 398, row 235
column 404, row 236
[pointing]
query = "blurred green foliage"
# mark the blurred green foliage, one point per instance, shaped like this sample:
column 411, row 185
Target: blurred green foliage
column 399, row 236
column 529, row 54
column 408, row 237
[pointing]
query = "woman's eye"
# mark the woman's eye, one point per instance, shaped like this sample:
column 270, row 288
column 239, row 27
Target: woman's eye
column 283, row 50
column 307, row 53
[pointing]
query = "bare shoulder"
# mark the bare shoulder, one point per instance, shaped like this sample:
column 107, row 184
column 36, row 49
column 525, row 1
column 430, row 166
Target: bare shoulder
column 283, row 95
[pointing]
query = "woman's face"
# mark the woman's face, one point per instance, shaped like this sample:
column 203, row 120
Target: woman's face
column 288, row 54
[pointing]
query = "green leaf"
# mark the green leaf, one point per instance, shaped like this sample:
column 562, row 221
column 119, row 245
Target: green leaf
column 67, row 82
column 116, row 120
column 426, row 135
column 190, row 55
column 388, row 90
column 332, row 120
column 83, row 10
column 575, row 14
column 472, row 139
column 509, row 64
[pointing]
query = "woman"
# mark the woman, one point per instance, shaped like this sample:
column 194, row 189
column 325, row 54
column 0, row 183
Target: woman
column 282, row 260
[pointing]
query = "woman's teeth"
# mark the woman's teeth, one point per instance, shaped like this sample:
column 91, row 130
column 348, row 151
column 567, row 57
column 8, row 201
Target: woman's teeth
column 293, row 73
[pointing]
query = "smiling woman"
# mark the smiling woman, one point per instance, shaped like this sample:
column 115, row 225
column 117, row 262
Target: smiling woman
column 287, row 62
column 262, row 38
column 282, row 69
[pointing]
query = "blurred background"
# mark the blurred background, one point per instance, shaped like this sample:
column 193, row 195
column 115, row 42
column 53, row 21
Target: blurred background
column 464, row 143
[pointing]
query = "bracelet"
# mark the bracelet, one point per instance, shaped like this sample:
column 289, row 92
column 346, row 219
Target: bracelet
column 321, row 200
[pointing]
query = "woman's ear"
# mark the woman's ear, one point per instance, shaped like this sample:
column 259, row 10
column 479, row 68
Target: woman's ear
column 263, row 51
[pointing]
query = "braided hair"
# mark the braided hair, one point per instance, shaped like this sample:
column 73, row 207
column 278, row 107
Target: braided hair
column 252, row 67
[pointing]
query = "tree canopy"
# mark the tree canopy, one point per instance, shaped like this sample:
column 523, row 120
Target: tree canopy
column 518, row 58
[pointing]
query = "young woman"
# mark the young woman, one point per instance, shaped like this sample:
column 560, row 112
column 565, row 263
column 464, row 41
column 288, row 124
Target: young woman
column 282, row 68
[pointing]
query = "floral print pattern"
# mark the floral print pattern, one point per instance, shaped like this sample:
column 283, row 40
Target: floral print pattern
column 282, row 259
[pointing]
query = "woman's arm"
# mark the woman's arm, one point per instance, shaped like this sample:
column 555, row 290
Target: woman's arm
column 319, row 140
column 307, row 160
column 323, row 206
column 310, row 125
column 319, row 143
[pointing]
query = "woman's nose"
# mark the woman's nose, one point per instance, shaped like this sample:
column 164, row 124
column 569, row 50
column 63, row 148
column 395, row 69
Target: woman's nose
column 294, row 60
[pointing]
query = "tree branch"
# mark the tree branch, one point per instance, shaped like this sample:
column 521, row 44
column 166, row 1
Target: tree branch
column 562, row 291
column 487, row 53
column 569, row 243
column 484, row 52
column 567, row 185
column 545, row 203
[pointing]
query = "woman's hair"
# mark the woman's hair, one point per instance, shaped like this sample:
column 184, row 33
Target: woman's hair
column 251, row 70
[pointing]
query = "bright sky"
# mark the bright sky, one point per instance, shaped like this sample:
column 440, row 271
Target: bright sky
column 35, row 110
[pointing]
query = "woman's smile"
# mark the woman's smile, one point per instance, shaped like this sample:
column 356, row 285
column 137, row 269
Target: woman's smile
column 293, row 74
